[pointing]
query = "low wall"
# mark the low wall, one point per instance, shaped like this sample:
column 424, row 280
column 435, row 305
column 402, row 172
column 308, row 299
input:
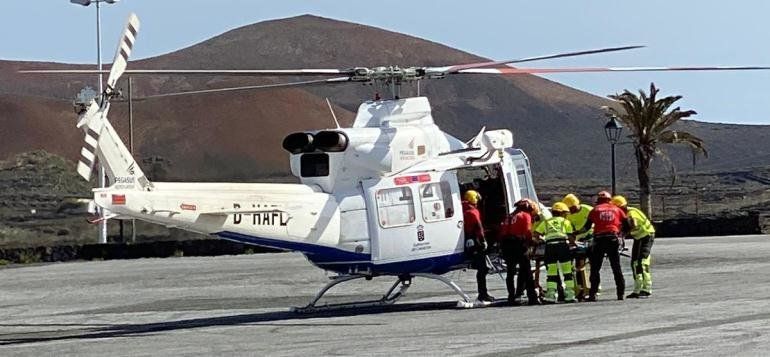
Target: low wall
column 710, row 226
column 681, row 227
column 202, row 247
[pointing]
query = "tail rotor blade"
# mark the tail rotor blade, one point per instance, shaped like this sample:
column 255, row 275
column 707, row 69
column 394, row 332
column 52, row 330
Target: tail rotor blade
column 90, row 121
column 125, row 45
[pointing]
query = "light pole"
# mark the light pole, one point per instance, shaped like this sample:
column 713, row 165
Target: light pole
column 612, row 130
column 102, row 180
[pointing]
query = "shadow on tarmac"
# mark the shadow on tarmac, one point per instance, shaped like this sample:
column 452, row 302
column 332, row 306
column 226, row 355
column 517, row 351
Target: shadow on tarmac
column 129, row 330
column 554, row 347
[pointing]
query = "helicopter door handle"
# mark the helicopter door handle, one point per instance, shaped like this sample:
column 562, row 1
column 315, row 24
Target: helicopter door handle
column 459, row 224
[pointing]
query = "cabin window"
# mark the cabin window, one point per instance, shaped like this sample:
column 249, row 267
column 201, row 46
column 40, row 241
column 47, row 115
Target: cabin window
column 436, row 200
column 314, row 165
column 395, row 206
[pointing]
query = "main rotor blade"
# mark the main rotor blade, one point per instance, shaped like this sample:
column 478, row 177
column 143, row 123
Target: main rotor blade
column 263, row 86
column 457, row 68
column 511, row 70
column 229, row 72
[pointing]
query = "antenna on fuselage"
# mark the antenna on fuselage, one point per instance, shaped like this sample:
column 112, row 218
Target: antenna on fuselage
column 333, row 115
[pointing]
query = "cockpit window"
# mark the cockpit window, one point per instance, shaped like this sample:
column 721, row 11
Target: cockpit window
column 314, row 165
column 395, row 206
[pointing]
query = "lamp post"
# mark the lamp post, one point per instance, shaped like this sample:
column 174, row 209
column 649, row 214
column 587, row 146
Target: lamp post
column 102, row 181
column 612, row 130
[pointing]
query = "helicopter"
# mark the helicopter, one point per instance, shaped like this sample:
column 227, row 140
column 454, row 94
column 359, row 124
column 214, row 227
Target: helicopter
column 381, row 198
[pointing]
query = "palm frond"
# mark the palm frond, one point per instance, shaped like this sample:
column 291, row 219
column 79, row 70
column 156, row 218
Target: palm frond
column 683, row 137
column 672, row 168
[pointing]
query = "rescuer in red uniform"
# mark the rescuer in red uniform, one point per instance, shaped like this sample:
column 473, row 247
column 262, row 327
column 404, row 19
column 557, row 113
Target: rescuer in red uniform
column 475, row 242
column 609, row 223
column 516, row 238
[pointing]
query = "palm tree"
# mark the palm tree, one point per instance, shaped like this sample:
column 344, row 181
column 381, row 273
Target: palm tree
column 649, row 119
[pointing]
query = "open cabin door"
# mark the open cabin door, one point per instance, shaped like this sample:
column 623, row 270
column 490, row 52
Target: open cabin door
column 518, row 176
column 414, row 216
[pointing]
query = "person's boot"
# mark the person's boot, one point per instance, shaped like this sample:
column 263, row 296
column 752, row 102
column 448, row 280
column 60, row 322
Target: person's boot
column 591, row 298
column 620, row 295
column 644, row 294
column 514, row 300
column 632, row 296
column 486, row 298
column 533, row 301
column 570, row 296
column 551, row 296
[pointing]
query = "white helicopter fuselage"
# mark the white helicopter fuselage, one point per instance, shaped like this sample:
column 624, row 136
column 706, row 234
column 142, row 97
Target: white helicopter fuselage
column 379, row 198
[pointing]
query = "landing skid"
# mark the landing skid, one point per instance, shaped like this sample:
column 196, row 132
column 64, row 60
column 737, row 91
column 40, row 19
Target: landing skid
column 391, row 296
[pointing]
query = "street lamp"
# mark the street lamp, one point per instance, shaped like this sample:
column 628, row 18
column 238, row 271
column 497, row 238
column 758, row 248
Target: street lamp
column 612, row 130
column 102, row 181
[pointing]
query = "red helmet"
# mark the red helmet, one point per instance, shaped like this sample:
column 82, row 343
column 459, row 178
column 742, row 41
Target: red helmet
column 523, row 205
column 603, row 196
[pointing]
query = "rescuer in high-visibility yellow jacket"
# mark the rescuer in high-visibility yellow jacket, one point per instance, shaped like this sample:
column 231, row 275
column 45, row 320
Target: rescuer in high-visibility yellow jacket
column 558, row 235
column 643, row 233
column 578, row 216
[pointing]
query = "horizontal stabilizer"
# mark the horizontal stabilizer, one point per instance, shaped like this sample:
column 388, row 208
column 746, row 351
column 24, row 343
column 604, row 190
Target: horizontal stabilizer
column 104, row 217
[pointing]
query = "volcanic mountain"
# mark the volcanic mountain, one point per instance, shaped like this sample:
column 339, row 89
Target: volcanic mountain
column 237, row 135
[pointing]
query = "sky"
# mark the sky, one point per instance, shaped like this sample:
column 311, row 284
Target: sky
column 676, row 33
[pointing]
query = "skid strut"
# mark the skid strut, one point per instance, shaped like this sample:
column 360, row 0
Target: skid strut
column 396, row 291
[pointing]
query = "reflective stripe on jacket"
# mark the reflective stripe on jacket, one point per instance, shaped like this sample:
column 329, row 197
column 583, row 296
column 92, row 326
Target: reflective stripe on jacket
column 554, row 228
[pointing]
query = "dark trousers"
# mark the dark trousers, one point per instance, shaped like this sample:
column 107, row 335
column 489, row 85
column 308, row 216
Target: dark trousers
column 606, row 245
column 515, row 254
column 642, row 248
column 479, row 262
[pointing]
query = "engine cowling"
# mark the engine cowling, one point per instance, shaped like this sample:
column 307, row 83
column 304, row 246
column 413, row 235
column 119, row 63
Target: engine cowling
column 297, row 143
column 331, row 141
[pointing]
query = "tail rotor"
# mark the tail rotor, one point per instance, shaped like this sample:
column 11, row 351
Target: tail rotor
column 93, row 114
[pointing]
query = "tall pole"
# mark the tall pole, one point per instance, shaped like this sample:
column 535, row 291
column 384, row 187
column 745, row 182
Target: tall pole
column 99, row 47
column 131, row 143
column 102, row 180
column 613, row 168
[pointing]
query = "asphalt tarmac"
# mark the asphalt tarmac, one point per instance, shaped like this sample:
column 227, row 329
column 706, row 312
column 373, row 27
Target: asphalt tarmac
column 711, row 297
